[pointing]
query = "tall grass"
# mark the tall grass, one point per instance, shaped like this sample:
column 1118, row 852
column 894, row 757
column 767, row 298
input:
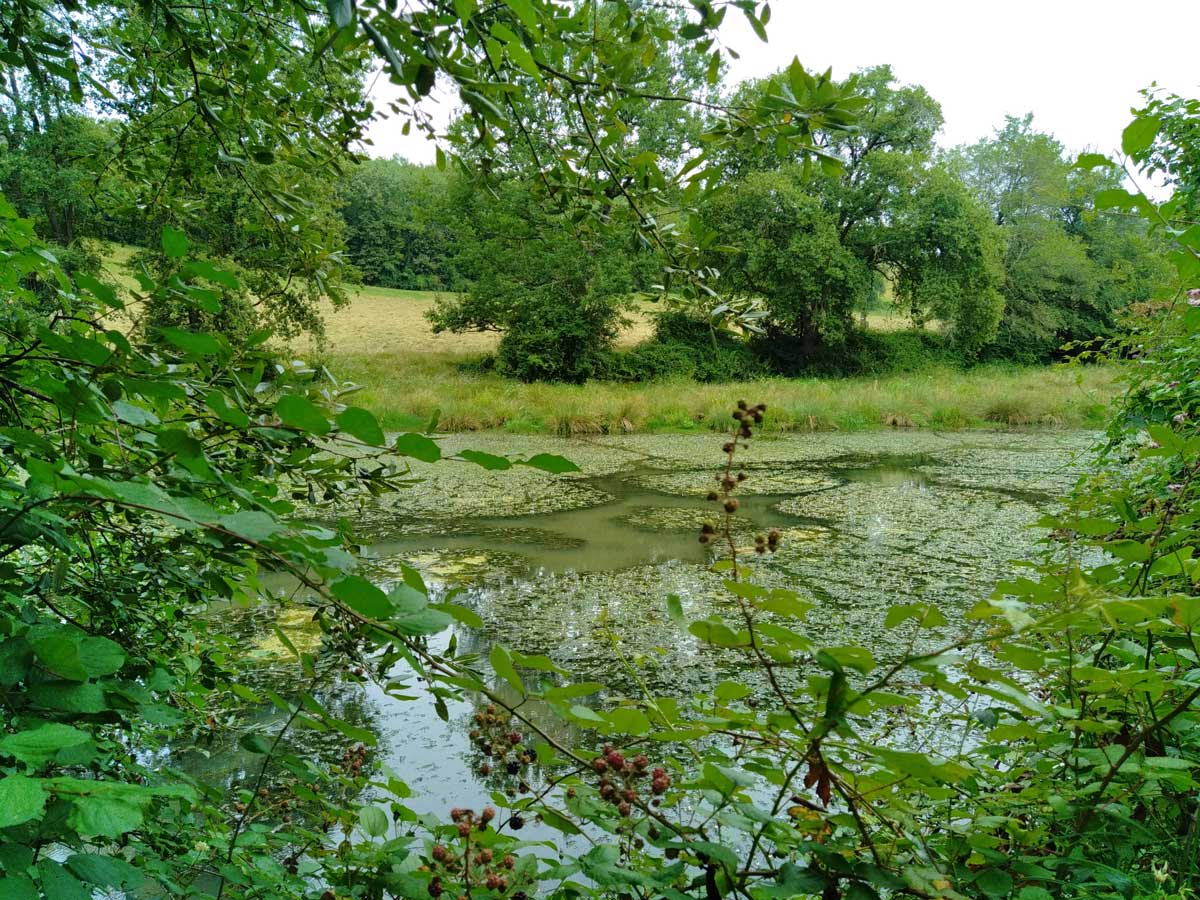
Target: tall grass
column 406, row 390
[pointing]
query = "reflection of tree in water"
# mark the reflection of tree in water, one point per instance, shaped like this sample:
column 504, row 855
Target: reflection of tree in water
column 229, row 755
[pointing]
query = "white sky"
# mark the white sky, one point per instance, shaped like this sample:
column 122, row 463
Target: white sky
column 1076, row 65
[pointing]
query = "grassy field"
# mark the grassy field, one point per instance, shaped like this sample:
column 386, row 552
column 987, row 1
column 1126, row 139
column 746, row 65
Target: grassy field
column 383, row 342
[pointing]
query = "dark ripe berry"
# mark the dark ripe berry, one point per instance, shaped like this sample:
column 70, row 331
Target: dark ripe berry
column 741, row 404
column 640, row 762
column 489, row 813
column 624, row 809
column 440, row 853
column 524, row 788
column 745, row 431
column 731, row 505
column 773, row 534
column 728, row 484
column 705, row 538
column 762, row 407
column 503, row 884
column 464, row 829
column 485, row 769
column 727, row 447
column 758, row 417
column 514, row 737
column 615, row 759
column 760, row 539
column 671, row 853
column 708, row 528
column 760, row 549
column 513, row 767
column 738, row 414
column 607, row 790
column 520, row 895
column 517, row 823
column 713, row 496
column 435, row 888
column 599, row 764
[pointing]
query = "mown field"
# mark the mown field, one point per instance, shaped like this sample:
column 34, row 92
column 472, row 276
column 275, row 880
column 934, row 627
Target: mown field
column 409, row 376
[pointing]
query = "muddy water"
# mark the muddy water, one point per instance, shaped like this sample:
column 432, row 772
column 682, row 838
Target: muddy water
column 579, row 567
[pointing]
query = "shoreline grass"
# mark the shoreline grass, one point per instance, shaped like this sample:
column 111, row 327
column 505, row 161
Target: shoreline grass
column 405, row 391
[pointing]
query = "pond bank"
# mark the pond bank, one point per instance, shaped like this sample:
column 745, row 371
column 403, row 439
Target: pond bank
column 407, row 391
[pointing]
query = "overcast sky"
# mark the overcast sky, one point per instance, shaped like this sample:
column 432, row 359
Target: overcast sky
column 1076, row 65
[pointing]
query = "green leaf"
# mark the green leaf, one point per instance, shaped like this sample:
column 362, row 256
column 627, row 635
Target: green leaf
column 300, row 413
column 362, row 597
column 193, row 343
column 174, row 243
column 361, row 424
column 1093, row 161
column 59, row 884
column 17, row 887
column 549, row 463
column 340, row 11
column 104, row 816
column 21, row 799
column 99, row 656
column 373, row 820
column 502, row 666
column 995, row 882
column 525, row 12
column 627, row 720
column 418, row 447
column 675, row 608
column 488, row 461
column 1140, row 134
column 41, row 744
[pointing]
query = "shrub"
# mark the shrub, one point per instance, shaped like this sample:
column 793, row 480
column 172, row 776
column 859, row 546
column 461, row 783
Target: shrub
column 684, row 346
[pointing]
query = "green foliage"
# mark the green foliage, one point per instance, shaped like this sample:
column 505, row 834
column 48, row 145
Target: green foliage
column 686, row 347
column 1068, row 268
column 786, row 248
column 399, row 227
column 554, row 292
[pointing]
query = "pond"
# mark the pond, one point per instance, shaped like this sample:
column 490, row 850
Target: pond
column 579, row 567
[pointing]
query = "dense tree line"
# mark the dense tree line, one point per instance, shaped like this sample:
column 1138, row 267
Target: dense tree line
column 992, row 251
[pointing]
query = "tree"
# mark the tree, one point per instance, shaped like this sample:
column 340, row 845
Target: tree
column 1068, row 270
column 398, row 232
column 894, row 216
column 787, row 249
column 554, row 291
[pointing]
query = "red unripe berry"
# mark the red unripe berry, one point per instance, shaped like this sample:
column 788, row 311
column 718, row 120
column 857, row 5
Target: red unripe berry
column 629, row 795
column 488, row 814
column 640, row 762
column 509, row 861
column 439, row 853
column 660, row 785
column 599, row 764
column 659, row 772
column 514, row 737
column 624, row 809
column 455, row 814
column 615, row 759
column 464, row 829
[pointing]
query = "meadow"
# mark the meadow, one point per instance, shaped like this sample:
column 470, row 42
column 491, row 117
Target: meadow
column 410, row 376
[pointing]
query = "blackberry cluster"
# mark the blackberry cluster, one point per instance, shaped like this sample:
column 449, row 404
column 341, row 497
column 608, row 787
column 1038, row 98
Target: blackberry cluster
column 620, row 778
column 481, row 866
column 501, row 745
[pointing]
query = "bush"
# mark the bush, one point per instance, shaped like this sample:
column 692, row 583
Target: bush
column 551, row 338
column 862, row 353
column 684, row 346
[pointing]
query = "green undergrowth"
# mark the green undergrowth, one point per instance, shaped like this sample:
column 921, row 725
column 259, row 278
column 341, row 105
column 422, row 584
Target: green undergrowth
column 410, row 390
